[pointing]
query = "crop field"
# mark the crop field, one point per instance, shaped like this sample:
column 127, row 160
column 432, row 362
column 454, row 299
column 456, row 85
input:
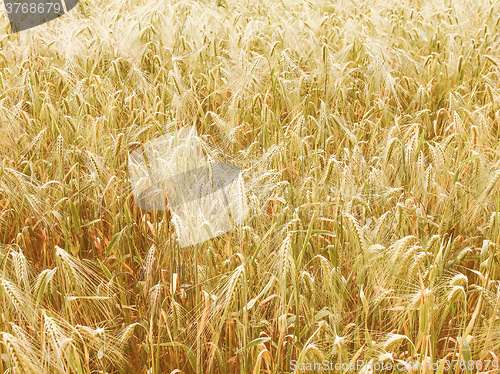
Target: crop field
column 368, row 138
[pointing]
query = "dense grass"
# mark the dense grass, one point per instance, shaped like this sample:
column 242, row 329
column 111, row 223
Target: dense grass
column 368, row 133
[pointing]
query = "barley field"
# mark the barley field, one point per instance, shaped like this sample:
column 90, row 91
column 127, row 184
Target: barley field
column 368, row 135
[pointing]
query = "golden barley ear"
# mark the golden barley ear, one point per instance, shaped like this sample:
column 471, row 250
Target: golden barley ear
column 58, row 156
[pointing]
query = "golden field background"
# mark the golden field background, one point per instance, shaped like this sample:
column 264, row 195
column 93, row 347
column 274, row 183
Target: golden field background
column 368, row 135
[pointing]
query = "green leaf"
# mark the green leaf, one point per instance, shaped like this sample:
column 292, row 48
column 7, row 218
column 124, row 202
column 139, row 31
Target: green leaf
column 188, row 351
column 105, row 269
column 306, row 240
column 254, row 343
column 455, row 176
